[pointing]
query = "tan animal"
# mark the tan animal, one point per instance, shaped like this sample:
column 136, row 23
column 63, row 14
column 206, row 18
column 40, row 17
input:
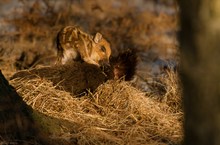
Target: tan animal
column 74, row 44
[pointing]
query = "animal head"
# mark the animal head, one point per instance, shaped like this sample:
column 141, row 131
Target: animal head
column 101, row 50
column 124, row 65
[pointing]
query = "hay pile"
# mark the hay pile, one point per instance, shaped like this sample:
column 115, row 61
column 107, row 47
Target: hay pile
column 116, row 113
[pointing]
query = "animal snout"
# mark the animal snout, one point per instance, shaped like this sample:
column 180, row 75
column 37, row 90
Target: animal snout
column 104, row 62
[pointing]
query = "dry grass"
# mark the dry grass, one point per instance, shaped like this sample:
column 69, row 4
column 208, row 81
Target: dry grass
column 116, row 113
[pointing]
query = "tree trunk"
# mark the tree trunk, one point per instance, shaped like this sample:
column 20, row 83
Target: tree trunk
column 200, row 74
column 16, row 123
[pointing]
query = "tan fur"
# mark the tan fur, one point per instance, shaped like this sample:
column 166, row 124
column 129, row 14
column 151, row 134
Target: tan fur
column 74, row 44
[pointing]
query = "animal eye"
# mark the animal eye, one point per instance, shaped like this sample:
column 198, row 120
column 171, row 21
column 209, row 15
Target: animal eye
column 103, row 48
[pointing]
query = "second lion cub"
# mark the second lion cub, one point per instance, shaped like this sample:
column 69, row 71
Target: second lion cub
column 74, row 44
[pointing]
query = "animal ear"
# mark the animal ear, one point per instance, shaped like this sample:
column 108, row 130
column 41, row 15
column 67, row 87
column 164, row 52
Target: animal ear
column 97, row 37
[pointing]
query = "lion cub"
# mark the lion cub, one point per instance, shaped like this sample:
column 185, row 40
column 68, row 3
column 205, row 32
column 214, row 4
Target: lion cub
column 74, row 44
